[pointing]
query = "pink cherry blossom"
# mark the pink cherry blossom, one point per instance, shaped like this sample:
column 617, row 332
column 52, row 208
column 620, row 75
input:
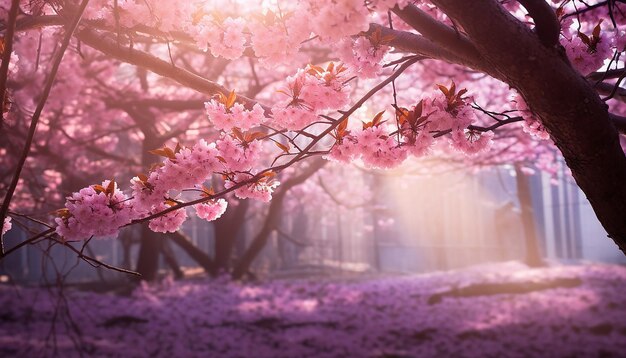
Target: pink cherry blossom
column 169, row 222
column 211, row 210
column 97, row 210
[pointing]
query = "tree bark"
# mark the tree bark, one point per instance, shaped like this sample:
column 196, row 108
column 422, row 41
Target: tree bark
column 571, row 110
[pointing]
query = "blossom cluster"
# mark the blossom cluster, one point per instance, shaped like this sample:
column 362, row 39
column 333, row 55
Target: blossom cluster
column 379, row 150
column 235, row 116
column 211, row 210
column 444, row 111
column 271, row 41
column 238, row 154
column 100, row 210
column 470, row 141
column 332, row 20
column 187, row 168
column 259, row 190
column 223, row 38
column 169, row 222
column 181, row 169
column 97, row 210
column 364, row 54
column 587, row 53
column 310, row 92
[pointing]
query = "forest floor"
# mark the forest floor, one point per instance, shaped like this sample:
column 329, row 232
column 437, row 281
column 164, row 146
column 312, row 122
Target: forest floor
column 495, row 310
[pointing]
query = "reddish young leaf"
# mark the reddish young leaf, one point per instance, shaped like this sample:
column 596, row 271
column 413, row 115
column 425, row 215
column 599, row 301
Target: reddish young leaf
column 285, row 148
column 110, row 189
column 62, row 213
column 237, row 134
column 443, row 89
column 341, row 128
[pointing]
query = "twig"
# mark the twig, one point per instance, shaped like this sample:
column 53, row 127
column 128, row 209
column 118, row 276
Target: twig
column 27, row 242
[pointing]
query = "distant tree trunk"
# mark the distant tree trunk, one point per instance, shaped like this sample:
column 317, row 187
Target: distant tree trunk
column 533, row 256
column 148, row 262
column 150, row 242
column 227, row 229
column 291, row 244
column 376, row 233
column 340, row 253
column 273, row 217
column 260, row 240
column 127, row 242
column 199, row 256
column 170, row 259
column 283, row 254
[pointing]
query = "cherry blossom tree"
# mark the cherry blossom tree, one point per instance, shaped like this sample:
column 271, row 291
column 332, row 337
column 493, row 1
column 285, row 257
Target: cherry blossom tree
column 249, row 90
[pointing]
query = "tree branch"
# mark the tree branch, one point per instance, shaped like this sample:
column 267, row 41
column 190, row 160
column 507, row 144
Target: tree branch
column 284, row 235
column 619, row 122
column 156, row 65
column 193, row 251
column 412, row 43
column 605, row 75
column 608, row 89
column 438, row 32
column 547, row 25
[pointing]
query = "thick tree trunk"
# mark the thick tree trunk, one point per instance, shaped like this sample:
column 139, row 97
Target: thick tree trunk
column 532, row 257
column 571, row 110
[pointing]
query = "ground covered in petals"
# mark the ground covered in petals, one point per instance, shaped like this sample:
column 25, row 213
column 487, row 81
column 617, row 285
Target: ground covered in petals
column 488, row 311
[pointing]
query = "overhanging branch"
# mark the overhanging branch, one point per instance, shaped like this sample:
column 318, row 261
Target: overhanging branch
column 438, row 32
column 142, row 59
column 547, row 25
